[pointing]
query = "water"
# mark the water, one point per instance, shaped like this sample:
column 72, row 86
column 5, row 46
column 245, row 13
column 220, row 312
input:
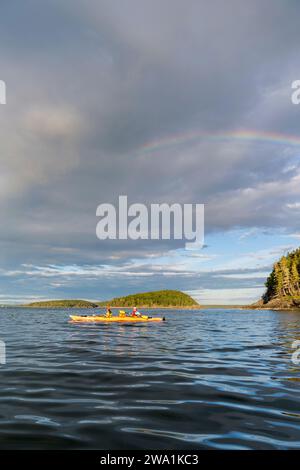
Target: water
column 211, row 379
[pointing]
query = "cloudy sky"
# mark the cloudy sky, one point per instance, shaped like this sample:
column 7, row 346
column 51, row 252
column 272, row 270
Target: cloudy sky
column 160, row 100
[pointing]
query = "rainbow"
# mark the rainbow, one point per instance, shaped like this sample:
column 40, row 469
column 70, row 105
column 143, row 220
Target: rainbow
column 240, row 135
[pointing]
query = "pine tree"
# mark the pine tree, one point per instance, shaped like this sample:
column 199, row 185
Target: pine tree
column 284, row 279
column 279, row 290
column 284, row 265
column 294, row 275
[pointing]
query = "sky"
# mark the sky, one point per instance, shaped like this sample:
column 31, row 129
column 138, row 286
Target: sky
column 162, row 101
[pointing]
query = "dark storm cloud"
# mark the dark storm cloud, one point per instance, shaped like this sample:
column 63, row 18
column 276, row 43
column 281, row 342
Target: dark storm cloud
column 89, row 83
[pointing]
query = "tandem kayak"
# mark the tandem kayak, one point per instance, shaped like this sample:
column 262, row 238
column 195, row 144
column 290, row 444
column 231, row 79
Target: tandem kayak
column 101, row 318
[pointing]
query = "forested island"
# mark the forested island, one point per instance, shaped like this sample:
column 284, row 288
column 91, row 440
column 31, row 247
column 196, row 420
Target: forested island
column 283, row 284
column 163, row 299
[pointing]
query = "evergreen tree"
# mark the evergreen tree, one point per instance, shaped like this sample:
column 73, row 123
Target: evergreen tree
column 294, row 275
column 284, row 280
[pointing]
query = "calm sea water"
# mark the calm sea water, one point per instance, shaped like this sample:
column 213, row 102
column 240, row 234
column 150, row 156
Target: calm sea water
column 211, row 379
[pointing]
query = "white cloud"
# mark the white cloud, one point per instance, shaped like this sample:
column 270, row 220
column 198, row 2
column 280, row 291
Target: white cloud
column 294, row 235
column 254, row 275
column 293, row 205
column 53, row 122
column 242, row 296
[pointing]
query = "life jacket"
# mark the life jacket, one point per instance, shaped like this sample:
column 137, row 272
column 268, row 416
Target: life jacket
column 136, row 314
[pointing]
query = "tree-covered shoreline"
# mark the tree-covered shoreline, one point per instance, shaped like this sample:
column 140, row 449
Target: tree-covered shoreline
column 283, row 283
column 161, row 299
column 284, row 280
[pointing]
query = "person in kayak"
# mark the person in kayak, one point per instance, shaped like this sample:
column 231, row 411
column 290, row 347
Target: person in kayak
column 108, row 313
column 135, row 313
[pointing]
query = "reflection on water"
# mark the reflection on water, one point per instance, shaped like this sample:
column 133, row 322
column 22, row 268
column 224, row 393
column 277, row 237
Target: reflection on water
column 220, row 379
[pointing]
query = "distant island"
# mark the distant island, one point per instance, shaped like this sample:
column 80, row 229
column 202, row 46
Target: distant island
column 161, row 298
column 155, row 299
column 283, row 284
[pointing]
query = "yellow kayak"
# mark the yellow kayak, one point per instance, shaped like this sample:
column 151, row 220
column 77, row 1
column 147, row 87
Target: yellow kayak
column 116, row 319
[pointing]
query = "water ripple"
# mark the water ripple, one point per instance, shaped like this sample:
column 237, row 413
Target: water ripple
column 204, row 379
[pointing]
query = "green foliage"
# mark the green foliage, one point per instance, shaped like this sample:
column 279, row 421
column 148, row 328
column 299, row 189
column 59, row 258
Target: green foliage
column 63, row 304
column 284, row 280
column 162, row 298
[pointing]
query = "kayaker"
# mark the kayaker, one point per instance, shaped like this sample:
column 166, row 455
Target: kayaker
column 135, row 313
column 108, row 313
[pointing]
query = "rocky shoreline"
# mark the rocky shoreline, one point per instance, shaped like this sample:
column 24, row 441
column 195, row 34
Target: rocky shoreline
column 276, row 304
